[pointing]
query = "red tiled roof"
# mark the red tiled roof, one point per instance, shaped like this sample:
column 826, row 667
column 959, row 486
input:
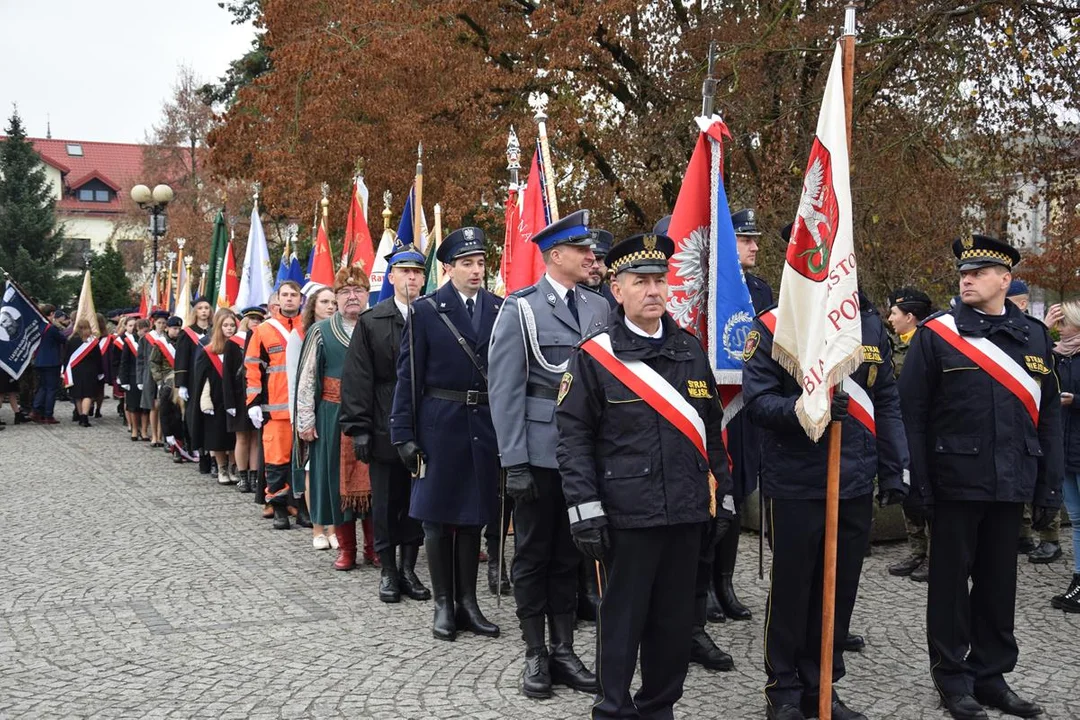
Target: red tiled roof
column 76, row 183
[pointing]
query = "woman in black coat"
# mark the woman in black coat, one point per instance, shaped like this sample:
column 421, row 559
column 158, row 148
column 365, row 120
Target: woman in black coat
column 84, row 372
column 210, row 394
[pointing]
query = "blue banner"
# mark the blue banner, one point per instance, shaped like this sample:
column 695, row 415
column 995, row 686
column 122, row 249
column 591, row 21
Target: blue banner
column 21, row 326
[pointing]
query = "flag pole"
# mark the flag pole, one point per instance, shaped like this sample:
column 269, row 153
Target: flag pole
column 418, row 195
column 436, row 243
column 832, row 488
column 549, row 169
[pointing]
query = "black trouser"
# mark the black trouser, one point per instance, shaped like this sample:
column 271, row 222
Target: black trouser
column 546, row 561
column 648, row 602
column 793, row 615
column 491, row 531
column 706, row 559
column 391, row 488
column 976, row 540
column 443, row 530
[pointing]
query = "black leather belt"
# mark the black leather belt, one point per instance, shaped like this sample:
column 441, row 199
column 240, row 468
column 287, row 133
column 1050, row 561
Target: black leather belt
column 542, row 391
column 468, row 397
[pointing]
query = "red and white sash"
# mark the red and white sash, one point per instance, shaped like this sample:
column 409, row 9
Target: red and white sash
column 994, row 361
column 195, row 337
column 131, row 344
column 215, row 360
column 103, row 343
column 239, row 338
column 860, row 406
column 77, row 357
column 651, row 387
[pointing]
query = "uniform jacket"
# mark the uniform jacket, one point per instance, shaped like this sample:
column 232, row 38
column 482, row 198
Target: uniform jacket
column 234, row 379
column 127, row 374
column 970, row 437
column 161, row 370
column 187, row 352
column 605, row 290
column 461, row 484
column 52, row 350
column 524, row 383
column 370, row 376
column 615, row 450
column 744, row 438
column 266, row 366
column 1068, row 370
column 792, row 466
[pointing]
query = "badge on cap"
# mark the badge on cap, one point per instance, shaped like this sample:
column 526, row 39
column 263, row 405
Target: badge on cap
column 968, row 242
column 650, row 242
column 468, row 233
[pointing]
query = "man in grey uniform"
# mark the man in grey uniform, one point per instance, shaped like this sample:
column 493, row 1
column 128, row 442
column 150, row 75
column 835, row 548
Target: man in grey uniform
column 531, row 342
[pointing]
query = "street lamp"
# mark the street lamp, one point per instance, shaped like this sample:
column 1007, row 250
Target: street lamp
column 154, row 202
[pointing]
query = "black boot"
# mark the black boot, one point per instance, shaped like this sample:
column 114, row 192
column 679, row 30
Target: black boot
column 242, row 485
column 389, row 580
column 440, row 555
column 588, row 595
column 566, row 667
column 467, row 563
column 84, row 420
column 1070, row 600
column 536, row 679
column 410, row 583
column 495, row 565
column 204, row 462
column 714, row 613
column 302, row 518
column 281, row 517
column 703, row 650
column 726, row 552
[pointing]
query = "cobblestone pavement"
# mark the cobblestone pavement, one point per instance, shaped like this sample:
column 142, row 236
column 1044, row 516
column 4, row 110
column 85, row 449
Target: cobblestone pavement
column 132, row 587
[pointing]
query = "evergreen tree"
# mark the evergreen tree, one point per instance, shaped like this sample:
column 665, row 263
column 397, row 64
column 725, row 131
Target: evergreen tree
column 29, row 238
column 111, row 285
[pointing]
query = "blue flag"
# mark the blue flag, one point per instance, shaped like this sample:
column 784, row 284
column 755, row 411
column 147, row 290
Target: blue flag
column 21, row 326
column 404, row 237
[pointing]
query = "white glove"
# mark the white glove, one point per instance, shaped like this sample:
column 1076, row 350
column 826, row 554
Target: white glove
column 139, row 386
column 126, row 387
column 231, row 412
column 255, row 413
column 170, row 440
column 101, row 377
column 183, row 394
column 208, row 411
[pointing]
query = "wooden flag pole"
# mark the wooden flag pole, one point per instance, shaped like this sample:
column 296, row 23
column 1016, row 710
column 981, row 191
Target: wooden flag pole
column 549, row 169
column 832, row 488
column 418, row 197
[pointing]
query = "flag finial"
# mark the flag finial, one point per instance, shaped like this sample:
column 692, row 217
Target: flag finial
column 255, row 189
column 386, row 198
column 360, row 167
column 325, row 202
column 708, row 87
column 513, row 151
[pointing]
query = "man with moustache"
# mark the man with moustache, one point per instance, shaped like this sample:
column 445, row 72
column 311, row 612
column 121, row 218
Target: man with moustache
column 531, row 343
column 602, row 241
column 367, row 393
column 441, row 426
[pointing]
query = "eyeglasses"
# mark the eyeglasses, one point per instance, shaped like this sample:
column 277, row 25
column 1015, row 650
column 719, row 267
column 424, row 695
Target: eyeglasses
column 352, row 290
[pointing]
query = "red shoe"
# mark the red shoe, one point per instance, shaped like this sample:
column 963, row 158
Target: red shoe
column 51, row 421
column 346, row 537
column 34, row 417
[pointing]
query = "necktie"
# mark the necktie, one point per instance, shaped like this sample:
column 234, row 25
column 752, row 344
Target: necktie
column 470, row 305
column 571, row 302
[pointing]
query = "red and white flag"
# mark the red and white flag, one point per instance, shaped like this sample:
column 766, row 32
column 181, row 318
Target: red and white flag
column 322, row 265
column 818, row 335
column 527, row 264
column 358, row 247
column 229, row 285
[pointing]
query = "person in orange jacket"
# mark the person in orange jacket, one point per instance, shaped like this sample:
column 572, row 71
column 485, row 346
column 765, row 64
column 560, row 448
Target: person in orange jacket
column 270, row 364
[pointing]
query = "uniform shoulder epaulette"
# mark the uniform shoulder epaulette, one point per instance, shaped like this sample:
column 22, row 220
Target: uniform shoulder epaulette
column 596, row 289
column 594, row 333
column 771, row 307
column 937, row 314
column 524, row 291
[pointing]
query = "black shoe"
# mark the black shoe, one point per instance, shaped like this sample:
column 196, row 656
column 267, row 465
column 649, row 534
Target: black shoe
column 840, row 711
column 410, row 583
column 853, row 643
column 1047, row 552
column 729, row 602
column 494, row 567
column 21, row 418
column 389, row 580
column 302, row 518
column 1025, row 545
column 964, row 707
column 440, row 556
column 714, row 613
column 1010, row 703
column 97, row 412
column 281, row 517
column 704, row 652
column 466, row 564
column 566, row 667
column 921, row 574
column 84, row 421
column 783, row 712
column 906, row 567
column 536, row 678
column 1069, row 601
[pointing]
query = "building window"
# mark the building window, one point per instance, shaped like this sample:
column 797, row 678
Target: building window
column 74, row 150
column 101, row 196
column 86, row 195
column 73, row 253
column 89, row 194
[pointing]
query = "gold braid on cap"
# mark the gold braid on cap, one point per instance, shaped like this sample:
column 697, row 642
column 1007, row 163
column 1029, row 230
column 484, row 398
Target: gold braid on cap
column 976, row 254
column 634, row 257
column 353, row 275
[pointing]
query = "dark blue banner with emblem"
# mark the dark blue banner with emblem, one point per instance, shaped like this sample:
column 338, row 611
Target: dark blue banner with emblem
column 21, row 326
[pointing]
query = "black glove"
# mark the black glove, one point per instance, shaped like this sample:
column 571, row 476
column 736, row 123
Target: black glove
column 1042, row 517
column 919, row 514
column 361, row 447
column 592, row 542
column 520, row 484
column 838, row 408
column 890, row 497
column 411, row 454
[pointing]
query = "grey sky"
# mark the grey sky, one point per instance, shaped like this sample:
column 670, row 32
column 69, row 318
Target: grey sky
column 101, row 70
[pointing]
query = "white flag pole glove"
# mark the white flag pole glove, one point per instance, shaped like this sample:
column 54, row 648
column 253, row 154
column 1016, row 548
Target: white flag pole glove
column 728, row 504
column 139, row 386
column 101, row 377
column 231, row 412
column 126, row 387
column 256, row 415
column 183, row 394
column 208, row 411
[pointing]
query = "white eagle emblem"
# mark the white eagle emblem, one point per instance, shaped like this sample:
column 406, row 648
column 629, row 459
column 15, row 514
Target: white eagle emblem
column 688, row 299
column 810, row 205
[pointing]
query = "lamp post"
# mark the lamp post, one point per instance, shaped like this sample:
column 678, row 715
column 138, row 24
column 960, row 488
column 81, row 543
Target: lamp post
column 154, row 202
